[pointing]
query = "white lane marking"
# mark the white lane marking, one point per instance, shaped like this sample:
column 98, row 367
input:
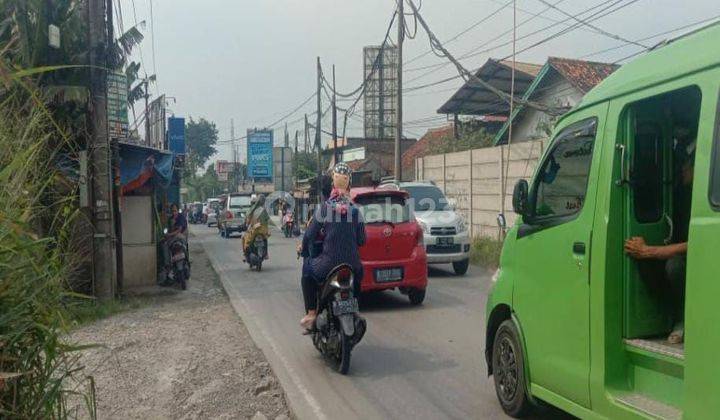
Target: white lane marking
column 244, row 309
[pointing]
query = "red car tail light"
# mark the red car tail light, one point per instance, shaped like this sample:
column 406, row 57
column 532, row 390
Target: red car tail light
column 420, row 236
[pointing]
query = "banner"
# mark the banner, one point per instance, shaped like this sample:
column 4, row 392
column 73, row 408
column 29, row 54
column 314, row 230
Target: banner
column 260, row 156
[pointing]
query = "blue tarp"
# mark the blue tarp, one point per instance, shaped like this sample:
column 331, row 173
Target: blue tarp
column 139, row 163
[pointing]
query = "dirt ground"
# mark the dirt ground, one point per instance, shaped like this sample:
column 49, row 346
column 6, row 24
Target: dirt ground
column 185, row 355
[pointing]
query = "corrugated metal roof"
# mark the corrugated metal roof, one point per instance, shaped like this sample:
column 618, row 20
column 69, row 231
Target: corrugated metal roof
column 472, row 99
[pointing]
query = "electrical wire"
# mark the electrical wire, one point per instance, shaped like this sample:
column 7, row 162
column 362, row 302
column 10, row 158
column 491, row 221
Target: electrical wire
column 463, row 32
column 360, row 89
column 475, row 52
column 590, row 25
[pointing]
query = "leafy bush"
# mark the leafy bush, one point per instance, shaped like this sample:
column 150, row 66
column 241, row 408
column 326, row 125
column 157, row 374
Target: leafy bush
column 39, row 371
column 486, row 251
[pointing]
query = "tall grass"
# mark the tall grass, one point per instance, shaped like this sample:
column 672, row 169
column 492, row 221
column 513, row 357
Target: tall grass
column 39, row 371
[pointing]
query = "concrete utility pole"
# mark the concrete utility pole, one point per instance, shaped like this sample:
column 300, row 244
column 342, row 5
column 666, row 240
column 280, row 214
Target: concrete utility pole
column 318, row 130
column 334, row 120
column 399, row 110
column 236, row 178
column 104, row 254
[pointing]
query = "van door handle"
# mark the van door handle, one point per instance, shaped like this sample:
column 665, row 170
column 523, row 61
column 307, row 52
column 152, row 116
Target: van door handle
column 579, row 248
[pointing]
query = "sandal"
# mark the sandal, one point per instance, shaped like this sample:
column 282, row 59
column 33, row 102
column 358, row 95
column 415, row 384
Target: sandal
column 308, row 321
column 677, row 336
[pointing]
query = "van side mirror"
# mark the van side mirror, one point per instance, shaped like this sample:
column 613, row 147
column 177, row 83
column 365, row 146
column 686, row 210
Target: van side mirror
column 520, row 198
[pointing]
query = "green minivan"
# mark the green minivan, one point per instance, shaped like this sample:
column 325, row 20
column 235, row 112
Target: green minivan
column 572, row 319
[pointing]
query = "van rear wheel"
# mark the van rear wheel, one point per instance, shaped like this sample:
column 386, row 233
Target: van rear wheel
column 509, row 371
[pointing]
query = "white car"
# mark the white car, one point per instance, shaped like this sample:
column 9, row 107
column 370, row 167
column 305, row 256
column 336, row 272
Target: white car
column 447, row 239
column 211, row 208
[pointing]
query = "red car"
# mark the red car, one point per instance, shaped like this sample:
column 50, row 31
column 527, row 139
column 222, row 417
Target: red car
column 394, row 254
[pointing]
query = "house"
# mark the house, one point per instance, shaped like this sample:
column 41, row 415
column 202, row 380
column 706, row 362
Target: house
column 375, row 158
column 423, row 147
column 147, row 178
column 559, row 85
column 473, row 99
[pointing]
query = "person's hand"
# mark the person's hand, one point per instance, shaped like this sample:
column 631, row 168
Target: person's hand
column 638, row 249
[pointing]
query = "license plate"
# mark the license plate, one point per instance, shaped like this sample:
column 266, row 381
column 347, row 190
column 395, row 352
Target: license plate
column 387, row 275
column 344, row 307
column 445, row 241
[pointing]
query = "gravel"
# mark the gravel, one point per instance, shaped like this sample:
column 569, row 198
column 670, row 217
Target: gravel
column 186, row 355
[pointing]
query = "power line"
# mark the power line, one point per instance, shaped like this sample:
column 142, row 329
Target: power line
column 475, row 52
column 463, row 32
column 647, row 38
column 590, row 25
column 495, row 38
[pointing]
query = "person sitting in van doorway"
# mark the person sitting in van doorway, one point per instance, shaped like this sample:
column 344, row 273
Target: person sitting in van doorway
column 674, row 254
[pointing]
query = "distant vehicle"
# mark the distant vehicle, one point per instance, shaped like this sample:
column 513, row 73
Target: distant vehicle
column 213, row 205
column 196, row 215
column 393, row 256
column 231, row 217
column 446, row 236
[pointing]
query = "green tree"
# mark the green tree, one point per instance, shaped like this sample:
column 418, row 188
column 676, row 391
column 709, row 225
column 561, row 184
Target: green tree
column 305, row 165
column 200, row 139
column 469, row 138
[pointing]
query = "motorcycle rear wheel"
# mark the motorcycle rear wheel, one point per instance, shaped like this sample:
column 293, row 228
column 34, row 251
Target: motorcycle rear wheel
column 342, row 362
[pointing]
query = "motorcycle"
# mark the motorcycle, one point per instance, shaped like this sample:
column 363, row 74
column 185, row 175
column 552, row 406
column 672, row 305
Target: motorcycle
column 179, row 272
column 338, row 327
column 257, row 252
column 288, row 227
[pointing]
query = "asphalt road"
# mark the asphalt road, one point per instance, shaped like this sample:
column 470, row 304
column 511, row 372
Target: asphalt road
column 422, row 362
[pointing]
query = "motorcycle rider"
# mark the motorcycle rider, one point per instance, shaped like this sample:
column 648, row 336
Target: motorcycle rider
column 257, row 221
column 344, row 232
column 177, row 229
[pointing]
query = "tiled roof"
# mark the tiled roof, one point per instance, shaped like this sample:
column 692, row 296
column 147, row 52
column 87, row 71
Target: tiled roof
column 584, row 75
column 422, row 147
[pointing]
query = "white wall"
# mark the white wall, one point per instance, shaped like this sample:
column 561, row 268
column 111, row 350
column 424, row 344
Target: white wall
column 474, row 179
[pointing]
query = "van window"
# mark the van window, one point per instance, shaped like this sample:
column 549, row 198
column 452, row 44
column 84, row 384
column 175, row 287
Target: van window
column 715, row 169
column 382, row 209
column 562, row 181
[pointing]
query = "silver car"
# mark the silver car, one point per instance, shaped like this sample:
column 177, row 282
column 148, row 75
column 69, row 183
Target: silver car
column 211, row 207
column 447, row 239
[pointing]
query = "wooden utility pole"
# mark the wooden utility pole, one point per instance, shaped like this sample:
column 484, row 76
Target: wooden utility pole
column 307, row 135
column 334, row 121
column 399, row 109
column 104, row 254
column 318, row 130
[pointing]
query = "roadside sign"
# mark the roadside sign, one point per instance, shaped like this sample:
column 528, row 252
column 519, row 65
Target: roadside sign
column 260, row 155
column 117, row 105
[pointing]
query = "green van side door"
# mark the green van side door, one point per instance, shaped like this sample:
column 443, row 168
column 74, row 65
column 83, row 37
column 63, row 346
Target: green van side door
column 551, row 297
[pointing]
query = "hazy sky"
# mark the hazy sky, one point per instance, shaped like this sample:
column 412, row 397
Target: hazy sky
column 254, row 61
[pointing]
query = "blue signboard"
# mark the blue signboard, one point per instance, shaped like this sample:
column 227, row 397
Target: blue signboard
column 176, row 135
column 260, row 156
